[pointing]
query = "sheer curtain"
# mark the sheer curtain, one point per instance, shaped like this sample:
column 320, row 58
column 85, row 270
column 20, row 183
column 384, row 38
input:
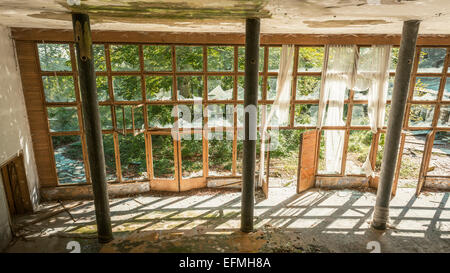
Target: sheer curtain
column 338, row 77
column 281, row 104
column 344, row 70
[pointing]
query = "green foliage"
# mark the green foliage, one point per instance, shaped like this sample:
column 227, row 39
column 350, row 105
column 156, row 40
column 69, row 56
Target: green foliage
column 63, row 119
column 220, row 58
column 54, row 57
column 159, row 87
column 310, row 58
column 127, row 88
column 189, row 58
column 163, row 157
column 157, row 58
column 99, row 57
column 124, row 57
column 58, row 88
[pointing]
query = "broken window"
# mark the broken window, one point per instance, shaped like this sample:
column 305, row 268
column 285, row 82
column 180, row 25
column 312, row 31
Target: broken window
column 63, row 119
column 359, row 143
column 426, row 88
column 444, row 116
column 241, row 86
column 241, row 58
column 306, row 114
column 431, row 60
column 440, row 155
column 110, row 158
column 274, row 59
column 308, row 88
column 158, row 88
column 99, row 57
column 105, row 117
column 102, row 88
column 421, row 115
column 220, row 87
column 160, row 116
column 69, row 162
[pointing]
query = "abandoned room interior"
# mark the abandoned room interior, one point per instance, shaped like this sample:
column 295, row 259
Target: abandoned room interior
column 225, row 126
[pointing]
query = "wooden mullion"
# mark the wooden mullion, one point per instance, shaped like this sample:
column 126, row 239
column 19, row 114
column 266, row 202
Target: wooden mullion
column 294, row 87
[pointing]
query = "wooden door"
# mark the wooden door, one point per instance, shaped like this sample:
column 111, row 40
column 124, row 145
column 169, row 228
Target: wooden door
column 309, row 141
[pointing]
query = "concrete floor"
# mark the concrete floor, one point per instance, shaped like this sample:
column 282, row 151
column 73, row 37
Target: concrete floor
column 208, row 221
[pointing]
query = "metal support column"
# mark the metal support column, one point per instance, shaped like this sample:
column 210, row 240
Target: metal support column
column 91, row 121
column 395, row 123
column 252, row 27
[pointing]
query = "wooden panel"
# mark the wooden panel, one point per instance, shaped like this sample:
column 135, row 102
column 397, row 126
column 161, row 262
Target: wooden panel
column 193, row 183
column 307, row 158
column 36, row 112
column 23, row 184
column 265, row 180
column 8, row 190
column 66, row 35
column 425, row 160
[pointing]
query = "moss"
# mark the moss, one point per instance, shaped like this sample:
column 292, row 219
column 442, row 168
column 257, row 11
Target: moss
column 174, row 10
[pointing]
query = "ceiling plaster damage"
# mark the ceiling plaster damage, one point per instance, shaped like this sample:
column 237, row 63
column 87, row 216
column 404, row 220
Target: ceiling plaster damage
column 278, row 16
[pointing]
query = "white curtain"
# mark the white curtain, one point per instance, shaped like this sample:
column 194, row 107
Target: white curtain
column 338, row 77
column 344, row 70
column 281, row 104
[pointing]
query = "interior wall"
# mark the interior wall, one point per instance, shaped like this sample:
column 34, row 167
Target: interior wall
column 5, row 230
column 15, row 131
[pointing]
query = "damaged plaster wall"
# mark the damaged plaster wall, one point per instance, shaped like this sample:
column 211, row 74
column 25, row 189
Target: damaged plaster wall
column 15, row 131
column 5, row 229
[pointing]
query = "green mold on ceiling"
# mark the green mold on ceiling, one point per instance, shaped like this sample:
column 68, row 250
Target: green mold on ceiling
column 174, row 9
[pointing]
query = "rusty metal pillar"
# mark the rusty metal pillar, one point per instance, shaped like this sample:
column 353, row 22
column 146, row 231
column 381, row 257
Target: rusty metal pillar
column 91, row 121
column 395, row 123
column 252, row 27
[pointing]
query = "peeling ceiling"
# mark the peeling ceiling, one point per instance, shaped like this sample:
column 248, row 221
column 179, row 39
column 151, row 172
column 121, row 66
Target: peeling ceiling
column 278, row 16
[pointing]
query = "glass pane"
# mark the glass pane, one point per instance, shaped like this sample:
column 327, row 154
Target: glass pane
column 220, row 115
column 220, row 87
column 132, row 157
column 274, row 59
column 124, row 57
column 220, row 58
column 220, row 153
column 240, row 114
column 426, row 88
column 271, row 87
column 359, row 143
column 390, row 88
column 412, row 156
column 360, row 115
column 306, row 114
column 440, row 155
column 394, row 59
column 241, row 58
column 190, row 116
column 361, row 95
column 123, row 115
column 99, row 58
column 102, row 88
column 127, row 88
column 160, row 116
column 110, row 159
column 335, row 116
column 189, row 58
column 157, row 58
column 69, row 159
column 421, row 115
column 275, row 121
column 241, row 90
column 444, row 116
column 105, row 117
column 54, row 57
column 387, row 110
column 158, row 87
column 446, row 95
column 432, row 60
column 190, row 87
column 330, row 153
column 310, row 59
column 308, row 87
column 59, row 88
column 163, row 157
column 191, row 155
column 63, row 119
column 139, row 118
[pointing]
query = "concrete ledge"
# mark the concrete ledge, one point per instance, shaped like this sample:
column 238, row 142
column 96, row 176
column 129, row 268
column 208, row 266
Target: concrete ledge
column 80, row 192
column 346, row 182
column 437, row 183
column 230, row 183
